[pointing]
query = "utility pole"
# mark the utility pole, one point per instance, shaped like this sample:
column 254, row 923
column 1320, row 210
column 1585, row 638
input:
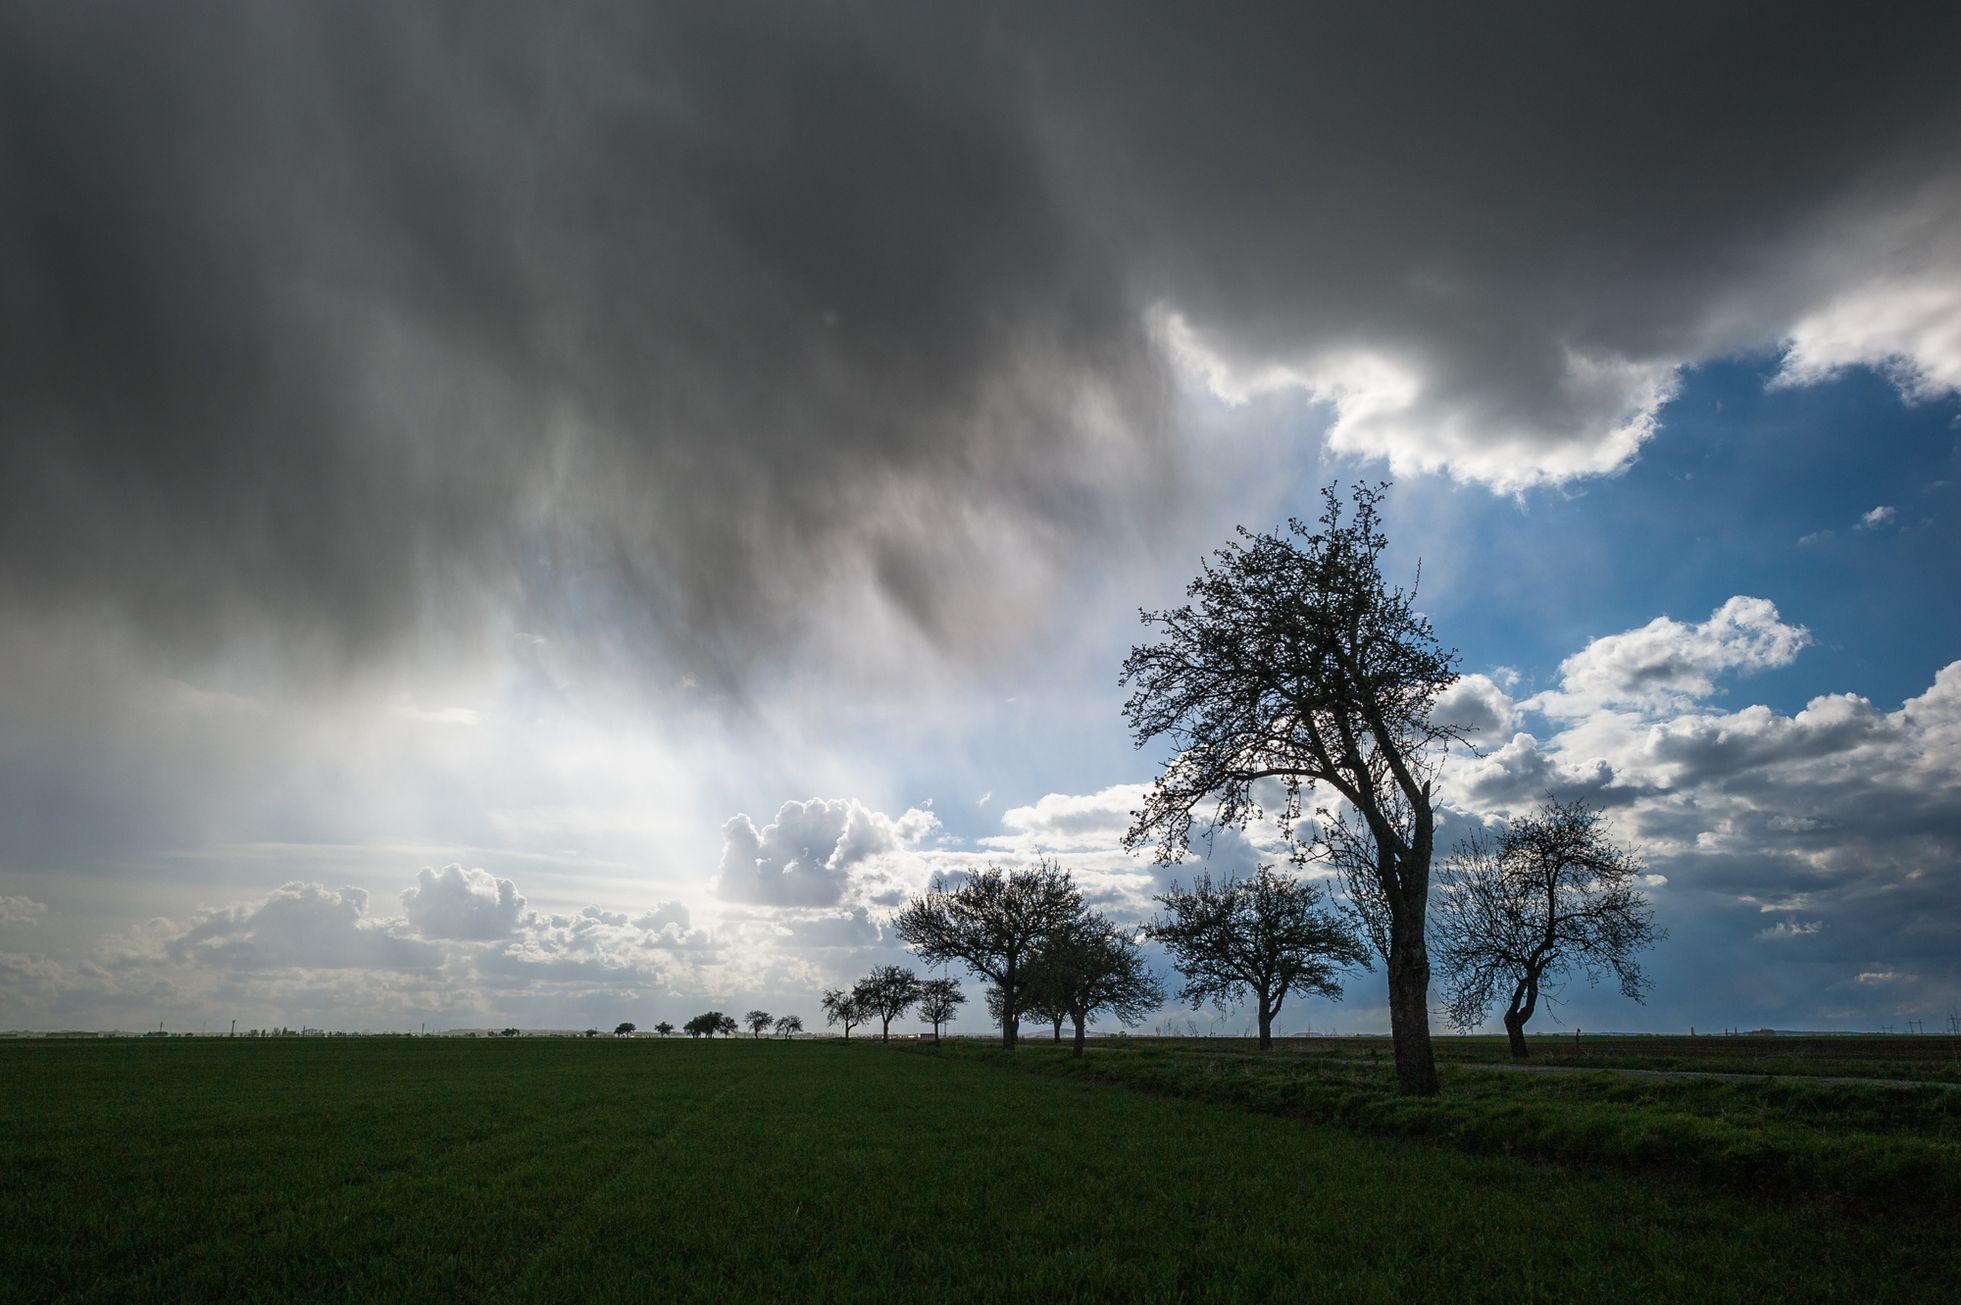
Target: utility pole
column 234, row 1032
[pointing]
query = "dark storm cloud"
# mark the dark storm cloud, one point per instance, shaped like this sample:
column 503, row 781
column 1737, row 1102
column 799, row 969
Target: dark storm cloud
column 355, row 316
column 1534, row 212
column 352, row 321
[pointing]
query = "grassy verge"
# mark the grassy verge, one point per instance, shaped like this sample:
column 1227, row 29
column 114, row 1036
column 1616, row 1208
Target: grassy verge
column 1932, row 1059
column 417, row 1169
column 1897, row 1149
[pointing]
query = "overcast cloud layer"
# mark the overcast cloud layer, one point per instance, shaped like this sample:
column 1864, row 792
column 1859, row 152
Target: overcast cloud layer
column 562, row 431
column 351, row 321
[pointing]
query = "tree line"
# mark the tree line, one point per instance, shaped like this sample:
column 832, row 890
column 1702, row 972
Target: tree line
column 714, row 1023
column 1295, row 686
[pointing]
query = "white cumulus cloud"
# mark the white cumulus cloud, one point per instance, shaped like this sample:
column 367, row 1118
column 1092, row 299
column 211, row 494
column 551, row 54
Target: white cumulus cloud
column 1669, row 661
column 466, row 904
column 813, row 851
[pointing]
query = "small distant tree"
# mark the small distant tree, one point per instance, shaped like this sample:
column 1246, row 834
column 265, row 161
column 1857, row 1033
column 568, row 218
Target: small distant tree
column 757, row 1020
column 512, row 1033
column 992, row 924
column 624, row 1029
column 841, row 1007
column 1260, row 938
column 1548, row 897
column 1044, row 1001
column 592, row 1033
column 707, row 1024
column 1296, row 661
column 885, row 994
column 938, row 998
column 789, row 1026
column 725, row 1025
column 663, row 1028
column 1089, row 967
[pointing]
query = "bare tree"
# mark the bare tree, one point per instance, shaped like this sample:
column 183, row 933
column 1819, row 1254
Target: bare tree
column 789, row 1026
column 757, row 1020
column 992, row 924
column 885, row 994
column 1044, row 1001
column 1296, row 662
column 1261, row 939
column 938, row 999
column 1548, row 897
column 841, row 1007
column 1088, row 967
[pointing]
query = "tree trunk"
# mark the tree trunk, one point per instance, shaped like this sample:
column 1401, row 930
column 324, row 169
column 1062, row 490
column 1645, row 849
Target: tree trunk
column 1525, row 1000
column 1008, row 1021
column 1409, row 1013
column 885, row 1031
column 1058, row 1028
column 1515, row 1034
column 1079, row 1037
column 1266, row 1028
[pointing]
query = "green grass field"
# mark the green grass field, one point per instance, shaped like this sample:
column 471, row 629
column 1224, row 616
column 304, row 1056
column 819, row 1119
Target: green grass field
column 572, row 1169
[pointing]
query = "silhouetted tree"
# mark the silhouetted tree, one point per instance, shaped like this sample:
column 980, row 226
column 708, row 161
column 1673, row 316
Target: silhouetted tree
column 592, row 1033
column 992, row 924
column 1259, row 938
column 884, row 995
column 1089, row 966
column 511, row 1033
column 708, row 1024
column 789, row 1025
column 938, row 998
column 1549, row 896
column 1034, row 1006
column 624, row 1029
column 757, row 1020
column 1038, row 1002
column 663, row 1028
column 1296, row 661
column 841, row 1007
column 726, row 1025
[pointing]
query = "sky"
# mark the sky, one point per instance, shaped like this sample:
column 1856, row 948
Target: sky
column 552, row 516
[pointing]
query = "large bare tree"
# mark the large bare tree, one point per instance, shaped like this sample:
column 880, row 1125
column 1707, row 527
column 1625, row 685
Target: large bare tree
column 1295, row 661
column 992, row 923
column 1260, row 938
column 1549, row 896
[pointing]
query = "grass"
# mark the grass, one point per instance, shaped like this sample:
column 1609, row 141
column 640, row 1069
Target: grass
column 1877, row 1147
column 621, row 1170
column 1934, row 1059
